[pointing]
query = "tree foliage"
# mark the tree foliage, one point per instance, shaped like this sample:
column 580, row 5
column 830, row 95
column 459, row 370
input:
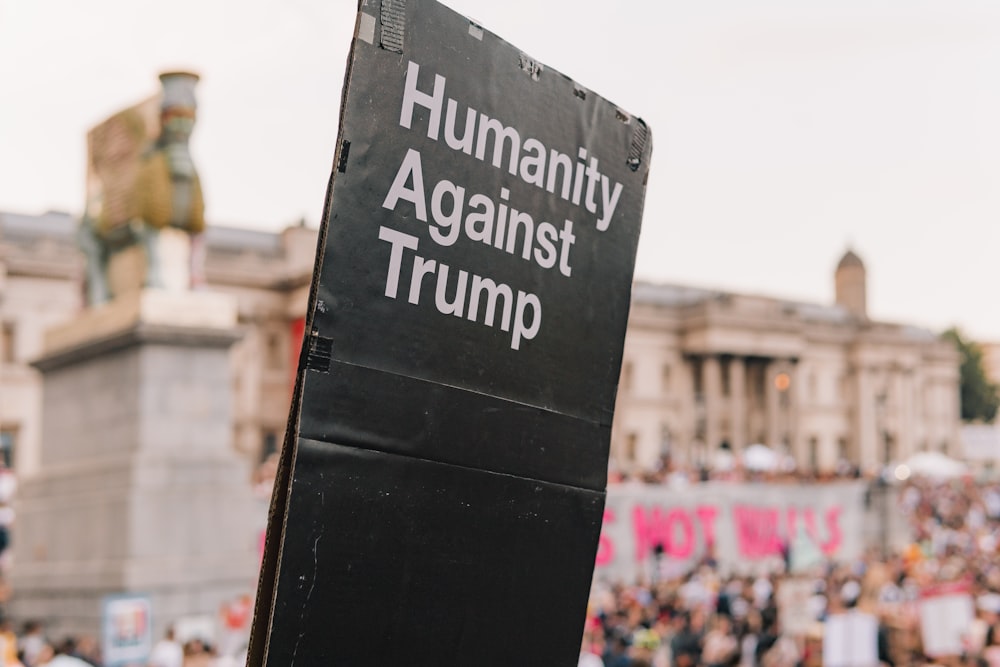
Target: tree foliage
column 979, row 396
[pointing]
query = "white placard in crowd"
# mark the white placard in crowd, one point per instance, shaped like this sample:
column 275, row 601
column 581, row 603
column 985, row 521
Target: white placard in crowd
column 945, row 620
column 850, row 640
column 126, row 629
column 794, row 611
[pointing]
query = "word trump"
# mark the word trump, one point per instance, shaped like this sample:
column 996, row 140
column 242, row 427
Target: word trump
column 480, row 287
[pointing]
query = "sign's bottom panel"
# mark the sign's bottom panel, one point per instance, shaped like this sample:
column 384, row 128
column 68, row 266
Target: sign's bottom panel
column 389, row 559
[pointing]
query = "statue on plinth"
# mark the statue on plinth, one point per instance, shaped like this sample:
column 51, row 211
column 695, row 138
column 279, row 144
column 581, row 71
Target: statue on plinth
column 140, row 184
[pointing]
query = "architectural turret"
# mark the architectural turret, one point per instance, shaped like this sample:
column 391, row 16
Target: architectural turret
column 851, row 287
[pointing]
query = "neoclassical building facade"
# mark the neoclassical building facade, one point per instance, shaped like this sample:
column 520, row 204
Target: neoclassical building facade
column 708, row 370
column 702, row 370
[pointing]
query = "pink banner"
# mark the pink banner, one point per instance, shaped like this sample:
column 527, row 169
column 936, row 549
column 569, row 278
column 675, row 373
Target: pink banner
column 740, row 525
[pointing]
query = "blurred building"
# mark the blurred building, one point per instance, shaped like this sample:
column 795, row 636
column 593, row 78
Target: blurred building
column 703, row 370
column 707, row 371
column 41, row 273
column 991, row 360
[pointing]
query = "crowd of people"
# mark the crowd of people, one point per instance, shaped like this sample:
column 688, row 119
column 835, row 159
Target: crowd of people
column 727, row 467
column 199, row 643
column 777, row 618
column 31, row 647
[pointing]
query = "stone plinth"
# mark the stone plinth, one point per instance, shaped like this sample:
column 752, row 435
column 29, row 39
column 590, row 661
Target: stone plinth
column 139, row 489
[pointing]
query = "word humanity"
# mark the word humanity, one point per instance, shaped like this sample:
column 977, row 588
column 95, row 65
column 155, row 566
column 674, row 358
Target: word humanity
column 531, row 167
column 452, row 214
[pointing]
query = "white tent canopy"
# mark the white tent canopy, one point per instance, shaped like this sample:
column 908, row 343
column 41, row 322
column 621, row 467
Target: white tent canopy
column 722, row 460
column 761, row 458
column 935, row 465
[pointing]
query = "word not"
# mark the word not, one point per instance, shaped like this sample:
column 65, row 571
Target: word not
column 673, row 530
column 578, row 181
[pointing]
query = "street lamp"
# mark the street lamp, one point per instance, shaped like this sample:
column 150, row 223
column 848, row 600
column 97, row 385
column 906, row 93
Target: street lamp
column 782, row 383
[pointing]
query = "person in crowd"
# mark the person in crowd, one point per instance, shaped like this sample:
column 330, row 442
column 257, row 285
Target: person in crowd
column 197, row 654
column 991, row 650
column 31, row 643
column 88, row 650
column 8, row 643
column 587, row 656
column 720, row 648
column 167, row 652
column 62, row 655
column 686, row 645
column 616, row 654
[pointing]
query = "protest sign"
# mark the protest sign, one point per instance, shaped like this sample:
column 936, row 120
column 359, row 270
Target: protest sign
column 443, row 479
column 126, row 630
column 946, row 615
column 795, row 612
column 850, row 640
column 743, row 526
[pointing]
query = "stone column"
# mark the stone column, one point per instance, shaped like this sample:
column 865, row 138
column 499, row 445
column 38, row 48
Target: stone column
column 907, row 414
column 773, row 407
column 682, row 448
column 712, row 384
column 737, row 402
column 868, row 431
column 790, row 416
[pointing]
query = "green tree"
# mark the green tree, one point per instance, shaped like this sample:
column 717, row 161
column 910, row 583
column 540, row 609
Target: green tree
column 980, row 397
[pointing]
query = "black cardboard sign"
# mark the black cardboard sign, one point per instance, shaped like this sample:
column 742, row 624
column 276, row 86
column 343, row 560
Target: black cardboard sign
column 441, row 489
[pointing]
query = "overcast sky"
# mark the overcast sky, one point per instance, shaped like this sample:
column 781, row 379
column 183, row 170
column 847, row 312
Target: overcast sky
column 784, row 130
